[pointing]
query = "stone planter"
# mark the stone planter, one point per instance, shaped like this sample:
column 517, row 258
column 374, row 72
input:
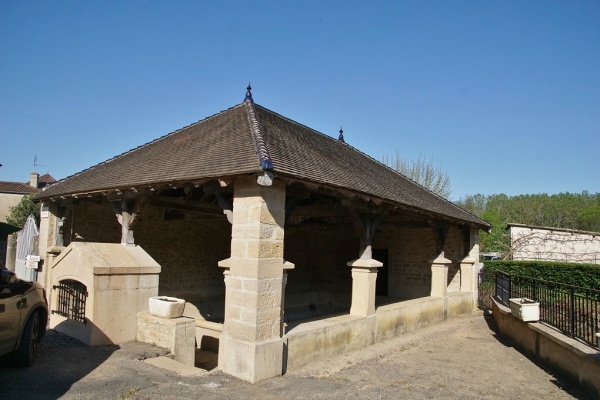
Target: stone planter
column 166, row 307
column 525, row 309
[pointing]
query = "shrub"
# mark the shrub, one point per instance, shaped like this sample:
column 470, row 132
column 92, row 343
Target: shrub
column 576, row 274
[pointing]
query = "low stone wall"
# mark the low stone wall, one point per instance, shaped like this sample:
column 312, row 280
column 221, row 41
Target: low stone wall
column 578, row 363
column 324, row 338
column 176, row 334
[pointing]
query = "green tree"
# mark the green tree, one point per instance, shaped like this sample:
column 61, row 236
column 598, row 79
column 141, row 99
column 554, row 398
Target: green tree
column 563, row 210
column 589, row 219
column 475, row 204
column 19, row 213
column 425, row 173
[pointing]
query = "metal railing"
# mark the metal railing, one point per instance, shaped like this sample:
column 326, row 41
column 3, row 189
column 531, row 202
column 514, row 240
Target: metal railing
column 573, row 310
column 486, row 288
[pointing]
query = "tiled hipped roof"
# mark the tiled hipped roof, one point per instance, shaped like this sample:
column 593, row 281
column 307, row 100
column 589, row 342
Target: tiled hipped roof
column 247, row 139
column 17, row 188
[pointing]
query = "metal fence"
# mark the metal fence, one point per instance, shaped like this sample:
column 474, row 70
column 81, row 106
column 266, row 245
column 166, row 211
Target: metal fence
column 486, row 288
column 573, row 310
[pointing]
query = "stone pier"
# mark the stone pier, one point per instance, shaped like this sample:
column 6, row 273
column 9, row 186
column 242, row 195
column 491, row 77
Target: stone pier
column 251, row 347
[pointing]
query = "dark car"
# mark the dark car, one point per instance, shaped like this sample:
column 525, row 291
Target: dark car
column 23, row 318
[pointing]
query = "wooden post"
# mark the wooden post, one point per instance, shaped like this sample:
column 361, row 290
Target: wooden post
column 126, row 212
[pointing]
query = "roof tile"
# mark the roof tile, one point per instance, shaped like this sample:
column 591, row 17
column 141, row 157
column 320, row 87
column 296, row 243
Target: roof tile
column 231, row 143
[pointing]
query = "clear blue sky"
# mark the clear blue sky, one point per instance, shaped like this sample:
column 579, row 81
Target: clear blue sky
column 504, row 95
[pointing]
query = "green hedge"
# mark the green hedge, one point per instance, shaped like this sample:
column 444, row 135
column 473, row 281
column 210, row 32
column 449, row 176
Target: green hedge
column 583, row 275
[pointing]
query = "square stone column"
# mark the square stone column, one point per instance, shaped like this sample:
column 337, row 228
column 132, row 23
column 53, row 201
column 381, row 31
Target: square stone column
column 468, row 275
column 251, row 347
column 439, row 276
column 469, row 267
column 364, row 277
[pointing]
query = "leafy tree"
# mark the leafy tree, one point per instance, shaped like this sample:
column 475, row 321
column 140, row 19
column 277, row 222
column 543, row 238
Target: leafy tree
column 589, row 219
column 425, row 173
column 19, row 213
column 564, row 210
column 474, row 204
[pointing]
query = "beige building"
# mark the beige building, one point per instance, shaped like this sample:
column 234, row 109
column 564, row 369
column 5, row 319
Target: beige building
column 554, row 244
column 288, row 245
column 11, row 193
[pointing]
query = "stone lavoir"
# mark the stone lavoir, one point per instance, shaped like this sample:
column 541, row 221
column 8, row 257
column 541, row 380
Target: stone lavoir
column 287, row 245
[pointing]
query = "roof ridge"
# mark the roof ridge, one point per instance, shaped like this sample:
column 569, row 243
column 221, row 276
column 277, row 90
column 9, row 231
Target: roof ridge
column 144, row 145
column 264, row 159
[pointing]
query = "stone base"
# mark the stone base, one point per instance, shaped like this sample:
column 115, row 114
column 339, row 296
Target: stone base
column 251, row 362
column 175, row 334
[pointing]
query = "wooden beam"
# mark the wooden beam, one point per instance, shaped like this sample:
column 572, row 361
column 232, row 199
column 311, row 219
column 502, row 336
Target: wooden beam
column 366, row 227
column 180, row 204
column 226, row 205
column 319, row 210
column 126, row 212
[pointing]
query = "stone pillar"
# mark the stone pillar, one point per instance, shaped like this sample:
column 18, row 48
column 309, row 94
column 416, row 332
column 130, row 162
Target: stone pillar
column 364, row 277
column 439, row 276
column 469, row 267
column 468, row 274
column 251, row 347
column 51, row 255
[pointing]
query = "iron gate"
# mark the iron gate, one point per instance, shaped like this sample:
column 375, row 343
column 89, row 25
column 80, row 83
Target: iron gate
column 72, row 296
column 26, row 240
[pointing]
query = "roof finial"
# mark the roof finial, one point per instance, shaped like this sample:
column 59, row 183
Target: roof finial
column 249, row 94
column 341, row 137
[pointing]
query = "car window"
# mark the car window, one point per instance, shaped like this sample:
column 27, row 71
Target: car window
column 18, row 287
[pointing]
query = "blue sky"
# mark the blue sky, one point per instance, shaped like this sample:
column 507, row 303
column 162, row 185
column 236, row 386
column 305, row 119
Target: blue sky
column 503, row 95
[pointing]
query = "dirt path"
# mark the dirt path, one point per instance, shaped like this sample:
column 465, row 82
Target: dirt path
column 457, row 359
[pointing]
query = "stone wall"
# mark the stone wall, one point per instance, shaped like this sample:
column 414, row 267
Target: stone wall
column 410, row 253
column 577, row 362
column 188, row 251
column 330, row 337
column 320, row 256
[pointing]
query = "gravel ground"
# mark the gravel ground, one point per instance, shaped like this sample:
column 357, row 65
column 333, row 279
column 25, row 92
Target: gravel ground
column 457, row 359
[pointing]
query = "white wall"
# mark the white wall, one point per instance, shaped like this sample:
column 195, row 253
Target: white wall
column 533, row 243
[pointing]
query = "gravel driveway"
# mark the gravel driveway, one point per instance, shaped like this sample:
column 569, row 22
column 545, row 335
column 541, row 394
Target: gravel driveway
column 457, row 359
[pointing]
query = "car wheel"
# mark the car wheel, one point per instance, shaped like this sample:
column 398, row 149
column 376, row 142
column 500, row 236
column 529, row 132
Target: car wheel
column 29, row 341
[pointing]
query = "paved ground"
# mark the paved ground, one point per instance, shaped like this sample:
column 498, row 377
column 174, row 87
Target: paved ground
column 457, row 359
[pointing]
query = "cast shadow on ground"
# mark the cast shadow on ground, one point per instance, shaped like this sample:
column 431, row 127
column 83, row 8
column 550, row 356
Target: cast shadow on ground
column 60, row 362
column 557, row 380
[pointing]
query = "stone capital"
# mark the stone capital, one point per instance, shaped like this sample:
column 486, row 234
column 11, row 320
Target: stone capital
column 364, row 263
column 256, row 268
column 440, row 260
column 468, row 260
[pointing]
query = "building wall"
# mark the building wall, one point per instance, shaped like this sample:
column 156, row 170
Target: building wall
column 8, row 200
column 320, row 256
column 188, row 251
column 410, row 253
column 554, row 245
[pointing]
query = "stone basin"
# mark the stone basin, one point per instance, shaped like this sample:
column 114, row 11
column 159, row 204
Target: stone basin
column 166, row 307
